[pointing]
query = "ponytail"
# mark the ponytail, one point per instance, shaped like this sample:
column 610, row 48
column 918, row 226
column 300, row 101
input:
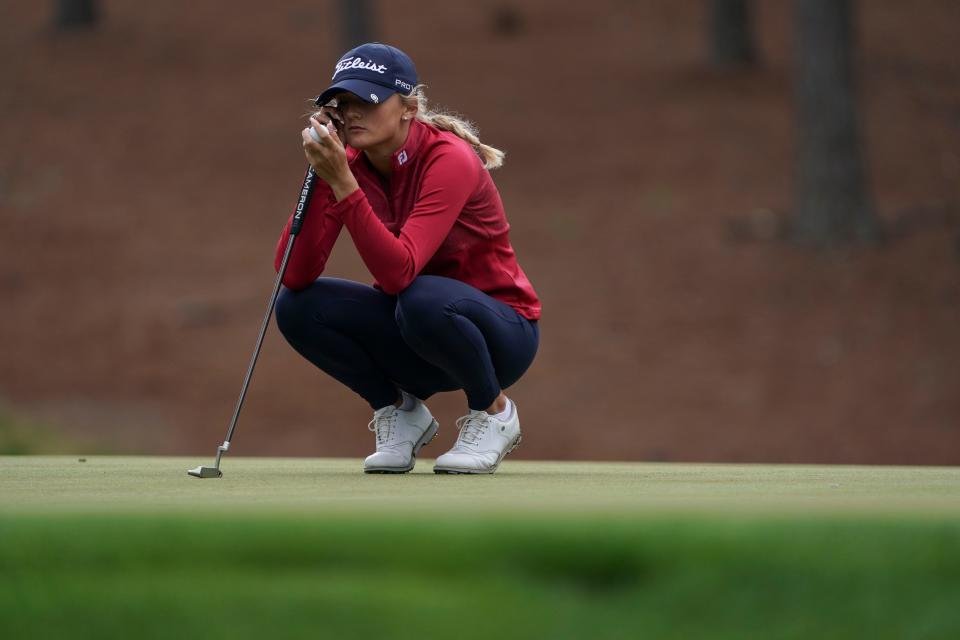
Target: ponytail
column 445, row 121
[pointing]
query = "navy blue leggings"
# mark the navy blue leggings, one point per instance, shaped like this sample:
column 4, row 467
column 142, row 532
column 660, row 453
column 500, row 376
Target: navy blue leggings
column 438, row 334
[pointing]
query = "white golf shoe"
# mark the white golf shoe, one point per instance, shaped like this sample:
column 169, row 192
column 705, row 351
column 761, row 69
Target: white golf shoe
column 482, row 444
column 400, row 436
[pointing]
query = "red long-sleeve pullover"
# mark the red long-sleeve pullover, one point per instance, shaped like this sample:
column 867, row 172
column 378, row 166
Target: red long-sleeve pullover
column 438, row 214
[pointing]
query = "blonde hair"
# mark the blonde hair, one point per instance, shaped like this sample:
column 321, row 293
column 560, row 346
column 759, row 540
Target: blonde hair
column 446, row 121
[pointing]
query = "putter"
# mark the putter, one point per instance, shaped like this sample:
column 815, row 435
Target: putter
column 305, row 192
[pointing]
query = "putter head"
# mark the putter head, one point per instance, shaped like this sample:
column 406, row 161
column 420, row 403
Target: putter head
column 205, row 472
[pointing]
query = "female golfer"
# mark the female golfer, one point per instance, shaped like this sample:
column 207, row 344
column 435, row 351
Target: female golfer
column 450, row 307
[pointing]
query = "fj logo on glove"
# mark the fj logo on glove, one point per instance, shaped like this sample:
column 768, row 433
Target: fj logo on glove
column 358, row 63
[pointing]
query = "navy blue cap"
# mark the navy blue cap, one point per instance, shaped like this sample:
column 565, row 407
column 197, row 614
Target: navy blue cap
column 372, row 71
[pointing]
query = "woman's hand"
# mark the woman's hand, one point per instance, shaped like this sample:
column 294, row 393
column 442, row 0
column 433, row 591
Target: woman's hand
column 328, row 157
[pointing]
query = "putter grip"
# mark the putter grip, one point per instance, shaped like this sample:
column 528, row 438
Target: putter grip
column 304, row 202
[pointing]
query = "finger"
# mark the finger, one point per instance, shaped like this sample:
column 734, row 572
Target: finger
column 331, row 131
column 335, row 138
column 336, row 120
column 332, row 137
column 322, row 131
column 333, row 114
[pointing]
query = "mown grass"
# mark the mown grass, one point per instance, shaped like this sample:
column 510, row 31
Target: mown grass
column 730, row 558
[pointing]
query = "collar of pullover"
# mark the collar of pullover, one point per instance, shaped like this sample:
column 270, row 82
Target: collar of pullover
column 405, row 154
column 402, row 157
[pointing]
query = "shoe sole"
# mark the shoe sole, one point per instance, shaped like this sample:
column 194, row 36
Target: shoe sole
column 453, row 471
column 424, row 440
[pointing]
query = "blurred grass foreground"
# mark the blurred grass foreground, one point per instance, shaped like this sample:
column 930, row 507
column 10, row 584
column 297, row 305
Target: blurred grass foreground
column 106, row 547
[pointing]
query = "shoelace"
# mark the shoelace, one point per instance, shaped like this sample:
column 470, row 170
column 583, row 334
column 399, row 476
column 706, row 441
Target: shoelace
column 472, row 427
column 382, row 425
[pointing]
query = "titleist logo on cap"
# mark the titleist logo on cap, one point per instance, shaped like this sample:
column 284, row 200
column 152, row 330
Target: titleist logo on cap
column 358, row 63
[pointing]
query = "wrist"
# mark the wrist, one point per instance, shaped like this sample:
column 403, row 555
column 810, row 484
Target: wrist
column 344, row 187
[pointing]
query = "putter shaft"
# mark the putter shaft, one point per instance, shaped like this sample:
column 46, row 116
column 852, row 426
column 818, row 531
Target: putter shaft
column 305, row 192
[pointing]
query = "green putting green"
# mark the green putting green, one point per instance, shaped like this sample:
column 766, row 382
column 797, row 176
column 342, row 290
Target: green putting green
column 150, row 484
column 282, row 547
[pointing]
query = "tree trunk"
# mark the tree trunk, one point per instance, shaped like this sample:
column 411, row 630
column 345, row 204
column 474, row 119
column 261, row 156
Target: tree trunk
column 731, row 34
column 74, row 14
column 832, row 204
column 358, row 22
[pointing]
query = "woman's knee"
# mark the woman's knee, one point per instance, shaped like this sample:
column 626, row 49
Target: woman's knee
column 290, row 311
column 297, row 310
column 421, row 305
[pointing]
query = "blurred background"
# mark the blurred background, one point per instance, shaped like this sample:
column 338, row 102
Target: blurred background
column 741, row 217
